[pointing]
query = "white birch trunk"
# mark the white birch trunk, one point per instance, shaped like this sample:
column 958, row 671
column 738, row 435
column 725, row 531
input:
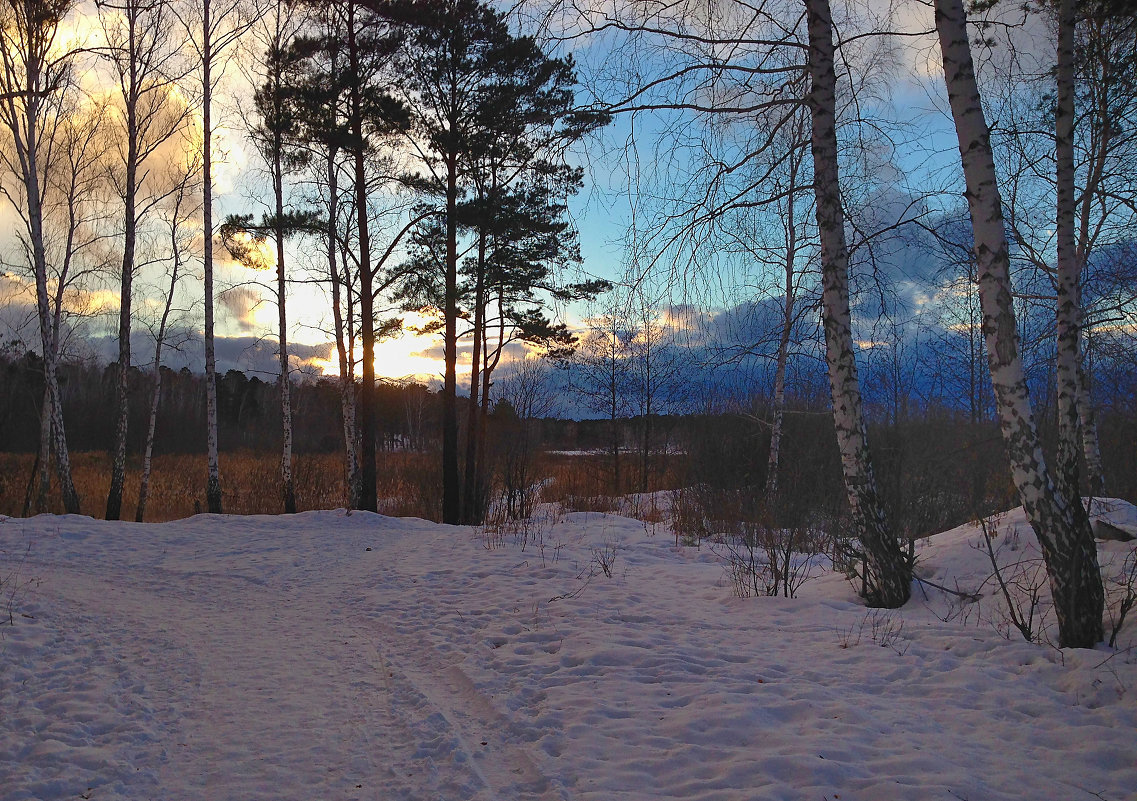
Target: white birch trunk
column 156, row 391
column 887, row 573
column 1068, row 309
column 1067, row 542
column 288, row 488
column 1091, row 447
column 44, row 460
column 213, row 481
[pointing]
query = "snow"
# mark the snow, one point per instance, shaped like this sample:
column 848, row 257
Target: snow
column 353, row 656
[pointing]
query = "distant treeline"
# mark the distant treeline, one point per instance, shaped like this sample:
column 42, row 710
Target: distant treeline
column 923, row 452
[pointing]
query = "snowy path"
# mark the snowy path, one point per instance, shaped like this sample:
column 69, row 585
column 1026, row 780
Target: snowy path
column 326, row 656
column 277, row 688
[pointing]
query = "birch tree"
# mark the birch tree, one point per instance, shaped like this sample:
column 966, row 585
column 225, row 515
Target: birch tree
column 270, row 129
column 1064, row 534
column 178, row 215
column 146, row 61
column 700, row 70
column 213, row 27
column 887, row 573
column 1065, row 157
column 35, row 77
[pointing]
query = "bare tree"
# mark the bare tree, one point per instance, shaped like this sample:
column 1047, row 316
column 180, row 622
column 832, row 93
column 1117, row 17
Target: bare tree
column 887, row 572
column 1067, row 542
column 1065, row 151
column 212, row 27
column 701, row 71
column 178, row 214
column 270, row 129
column 601, row 363
column 145, row 58
column 655, row 371
column 527, row 391
column 35, row 88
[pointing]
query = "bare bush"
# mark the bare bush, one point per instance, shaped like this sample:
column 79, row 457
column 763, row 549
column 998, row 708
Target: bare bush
column 687, row 518
column 13, row 584
column 604, row 556
column 527, row 533
column 1121, row 595
column 1021, row 582
column 883, row 628
column 772, row 561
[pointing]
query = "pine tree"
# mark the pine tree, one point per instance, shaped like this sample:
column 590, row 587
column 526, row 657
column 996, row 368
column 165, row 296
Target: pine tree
column 486, row 107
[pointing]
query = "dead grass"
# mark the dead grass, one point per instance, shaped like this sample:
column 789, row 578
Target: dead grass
column 584, row 482
column 409, row 484
column 250, row 484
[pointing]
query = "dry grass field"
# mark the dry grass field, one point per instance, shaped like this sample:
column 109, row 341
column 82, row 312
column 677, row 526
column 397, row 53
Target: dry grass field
column 250, row 483
column 409, row 484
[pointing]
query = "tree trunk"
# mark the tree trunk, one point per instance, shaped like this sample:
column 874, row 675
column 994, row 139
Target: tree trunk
column 43, row 460
column 156, row 397
column 59, row 444
column 48, row 332
column 288, row 489
column 130, row 224
column 366, row 418
column 347, row 368
column 1067, row 543
column 773, row 461
column 213, row 483
column 470, row 505
column 451, row 496
column 1095, row 471
column 887, row 574
column 1068, row 307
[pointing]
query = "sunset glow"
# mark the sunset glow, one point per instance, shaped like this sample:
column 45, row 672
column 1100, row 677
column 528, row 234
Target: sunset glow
column 405, row 357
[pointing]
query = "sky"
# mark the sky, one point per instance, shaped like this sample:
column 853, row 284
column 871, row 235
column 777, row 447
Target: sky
column 604, row 210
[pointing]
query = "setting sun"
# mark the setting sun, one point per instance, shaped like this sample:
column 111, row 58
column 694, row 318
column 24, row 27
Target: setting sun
column 404, row 357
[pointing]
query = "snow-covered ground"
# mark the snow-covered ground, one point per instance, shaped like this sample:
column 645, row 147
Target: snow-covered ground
column 336, row 656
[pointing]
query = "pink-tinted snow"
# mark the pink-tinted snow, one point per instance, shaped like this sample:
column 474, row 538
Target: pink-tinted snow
column 336, row 656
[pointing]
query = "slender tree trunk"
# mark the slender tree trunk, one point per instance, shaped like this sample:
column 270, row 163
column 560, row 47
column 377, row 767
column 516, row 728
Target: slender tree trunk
column 213, row 482
column 156, row 396
column 481, row 475
column 43, row 460
column 130, row 224
column 646, row 454
column 1067, row 543
column 614, row 405
column 470, row 503
column 451, row 495
column 1102, row 123
column 48, row 336
column 151, row 430
column 288, row 489
column 773, row 462
column 887, row 575
column 366, row 419
column 1069, row 306
column 1095, row 471
column 62, row 457
column 346, row 365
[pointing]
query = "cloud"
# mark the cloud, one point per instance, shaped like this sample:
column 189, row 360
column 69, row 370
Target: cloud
column 240, row 305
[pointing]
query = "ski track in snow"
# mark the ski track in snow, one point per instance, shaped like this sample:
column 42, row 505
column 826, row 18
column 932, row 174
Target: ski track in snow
column 279, row 658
